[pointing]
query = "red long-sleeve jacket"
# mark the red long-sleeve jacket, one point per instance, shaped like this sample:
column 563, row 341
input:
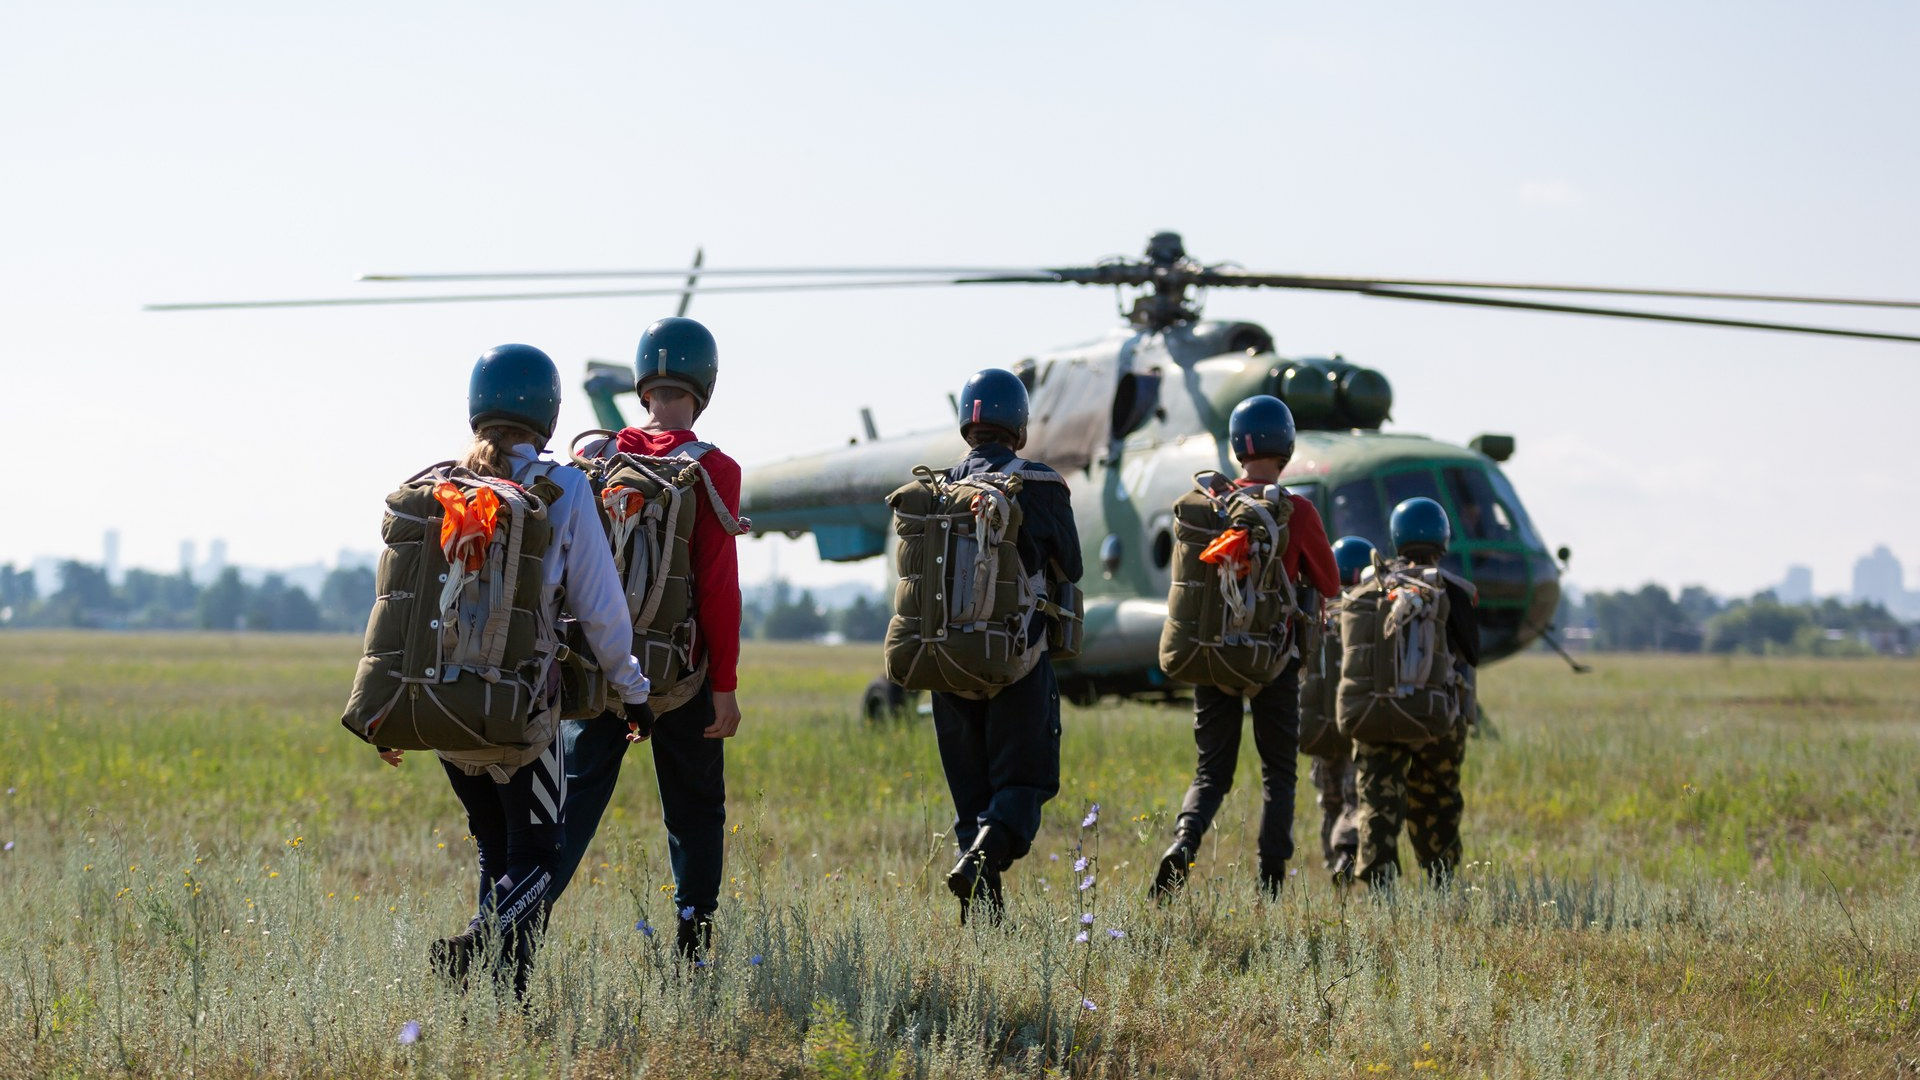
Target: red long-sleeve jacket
column 1308, row 553
column 716, row 564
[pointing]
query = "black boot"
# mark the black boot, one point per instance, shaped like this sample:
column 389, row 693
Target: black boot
column 1174, row 866
column 1271, row 879
column 452, row 957
column 978, row 872
column 694, row 939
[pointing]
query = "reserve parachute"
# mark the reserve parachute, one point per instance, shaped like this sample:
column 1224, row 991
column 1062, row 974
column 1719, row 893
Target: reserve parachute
column 1397, row 678
column 964, row 605
column 459, row 656
column 1230, row 610
column 647, row 507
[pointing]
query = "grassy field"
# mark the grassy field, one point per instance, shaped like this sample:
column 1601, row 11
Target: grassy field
column 1676, row 867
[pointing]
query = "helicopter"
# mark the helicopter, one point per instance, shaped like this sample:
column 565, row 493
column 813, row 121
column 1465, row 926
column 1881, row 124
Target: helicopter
column 1129, row 419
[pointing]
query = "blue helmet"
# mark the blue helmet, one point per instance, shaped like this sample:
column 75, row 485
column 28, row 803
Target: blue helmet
column 1261, row 426
column 679, row 352
column 515, row 384
column 1420, row 523
column 995, row 397
column 1352, row 554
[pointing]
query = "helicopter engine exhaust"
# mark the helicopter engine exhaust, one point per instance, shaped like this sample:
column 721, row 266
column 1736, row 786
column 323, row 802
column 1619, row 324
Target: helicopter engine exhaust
column 1330, row 394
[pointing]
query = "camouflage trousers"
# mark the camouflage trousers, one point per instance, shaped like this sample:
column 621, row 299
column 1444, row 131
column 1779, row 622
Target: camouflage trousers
column 1339, row 806
column 1417, row 785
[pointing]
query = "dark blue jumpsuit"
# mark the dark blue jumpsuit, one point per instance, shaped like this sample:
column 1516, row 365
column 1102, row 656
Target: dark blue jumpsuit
column 1002, row 754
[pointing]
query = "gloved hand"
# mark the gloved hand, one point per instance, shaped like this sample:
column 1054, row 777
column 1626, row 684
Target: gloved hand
column 639, row 722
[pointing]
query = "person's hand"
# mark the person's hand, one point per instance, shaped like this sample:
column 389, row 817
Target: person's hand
column 726, row 716
column 391, row 757
column 639, row 719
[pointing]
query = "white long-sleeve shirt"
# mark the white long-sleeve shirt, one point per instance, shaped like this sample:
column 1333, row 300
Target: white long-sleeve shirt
column 580, row 558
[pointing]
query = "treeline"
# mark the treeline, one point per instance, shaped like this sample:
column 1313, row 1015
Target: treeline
column 1653, row 620
column 789, row 616
column 84, row 597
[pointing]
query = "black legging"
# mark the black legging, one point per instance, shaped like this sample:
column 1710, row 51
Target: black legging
column 518, row 827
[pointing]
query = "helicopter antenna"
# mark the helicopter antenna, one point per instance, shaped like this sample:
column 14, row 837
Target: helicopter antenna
column 693, row 280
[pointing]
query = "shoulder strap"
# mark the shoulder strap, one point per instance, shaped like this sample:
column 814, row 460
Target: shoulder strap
column 693, row 451
column 1027, row 470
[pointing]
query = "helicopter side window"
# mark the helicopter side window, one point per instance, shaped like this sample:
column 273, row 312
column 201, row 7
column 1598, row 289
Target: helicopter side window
column 1481, row 515
column 1134, row 401
column 1409, row 485
column 1356, row 512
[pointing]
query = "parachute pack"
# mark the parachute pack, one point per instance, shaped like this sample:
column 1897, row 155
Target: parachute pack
column 1231, row 608
column 648, row 506
column 459, row 656
column 1397, row 678
column 1320, row 690
column 965, row 602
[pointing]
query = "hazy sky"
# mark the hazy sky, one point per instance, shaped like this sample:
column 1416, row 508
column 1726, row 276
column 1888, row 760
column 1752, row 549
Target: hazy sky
column 242, row 150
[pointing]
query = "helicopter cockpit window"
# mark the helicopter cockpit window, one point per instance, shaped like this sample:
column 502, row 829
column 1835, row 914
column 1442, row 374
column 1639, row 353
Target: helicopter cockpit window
column 1509, row 500
column 1137, row 396
column 1309, row 492
column 1411, row 485
column 1481, row 515
column 1356, row 512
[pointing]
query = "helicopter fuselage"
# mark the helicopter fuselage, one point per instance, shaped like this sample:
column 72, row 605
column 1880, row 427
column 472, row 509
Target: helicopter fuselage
column 1129, row 420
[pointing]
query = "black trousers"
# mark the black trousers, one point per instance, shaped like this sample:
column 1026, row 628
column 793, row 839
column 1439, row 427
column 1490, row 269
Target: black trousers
column 1002, row 757
column 691, row 771
column 518, row 827
column 1276, row 735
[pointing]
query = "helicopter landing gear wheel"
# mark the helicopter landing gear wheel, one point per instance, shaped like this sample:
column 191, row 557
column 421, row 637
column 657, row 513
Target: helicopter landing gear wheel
column 887, row 700
column 1082, row 693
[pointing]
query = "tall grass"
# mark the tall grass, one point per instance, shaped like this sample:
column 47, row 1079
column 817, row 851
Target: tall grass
column 1676, row 868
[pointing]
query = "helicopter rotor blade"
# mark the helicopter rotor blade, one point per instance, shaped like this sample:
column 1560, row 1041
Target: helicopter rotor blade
column 600, row 294
column 718, row 271
column 1318, row 281
column 1621, row 313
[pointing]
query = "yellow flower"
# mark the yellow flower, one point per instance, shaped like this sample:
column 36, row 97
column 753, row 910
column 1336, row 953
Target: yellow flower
column 1379, row 1067
column 273, row 873
column 295, row 842
column 1425, row 1063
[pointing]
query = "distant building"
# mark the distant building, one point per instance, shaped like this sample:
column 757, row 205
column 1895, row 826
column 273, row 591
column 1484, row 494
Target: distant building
column 110, row 555
column 1878, row 578
column 1798, row 586
column 216, row 559
column 187, row 554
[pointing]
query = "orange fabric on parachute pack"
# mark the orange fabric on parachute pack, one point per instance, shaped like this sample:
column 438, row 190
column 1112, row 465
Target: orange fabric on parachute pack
column 624, row 508
column 467, row 527
column 1232, row 548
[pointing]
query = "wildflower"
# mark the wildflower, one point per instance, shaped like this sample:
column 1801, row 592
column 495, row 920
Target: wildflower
column 1080, row 864
column 1116, row 933
column 273, row 873
column 1081, row 937
column 1086, row 883
column 756, row 959
column 1092, row 818
column 1086, row 918
column 9, row 791
column 409, row 1033
column 296, row 841
column 1054, row 857
column 1088, row 1005
column 644, row 927
column 686, row 912
column 8, row 847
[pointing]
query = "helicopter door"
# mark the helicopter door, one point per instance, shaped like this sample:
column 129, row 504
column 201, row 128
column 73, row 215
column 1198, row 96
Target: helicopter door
column 1068, row 425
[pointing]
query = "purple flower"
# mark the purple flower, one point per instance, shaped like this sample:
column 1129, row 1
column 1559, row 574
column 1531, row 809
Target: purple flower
column 756, row 959
column 9, row 791
column 1054, row 857
column 1081, row 937
column 1116, row 933
column 686, row 912
column 409, row 1033
column 1086, row 919
column 1089, row 1005
column 1080, row 864
column 644, row 927
column 9, row 846
column 1086, row 883
column 1092, row 818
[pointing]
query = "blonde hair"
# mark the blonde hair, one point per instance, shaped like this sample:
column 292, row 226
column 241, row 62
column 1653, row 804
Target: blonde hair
column 488, row 454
